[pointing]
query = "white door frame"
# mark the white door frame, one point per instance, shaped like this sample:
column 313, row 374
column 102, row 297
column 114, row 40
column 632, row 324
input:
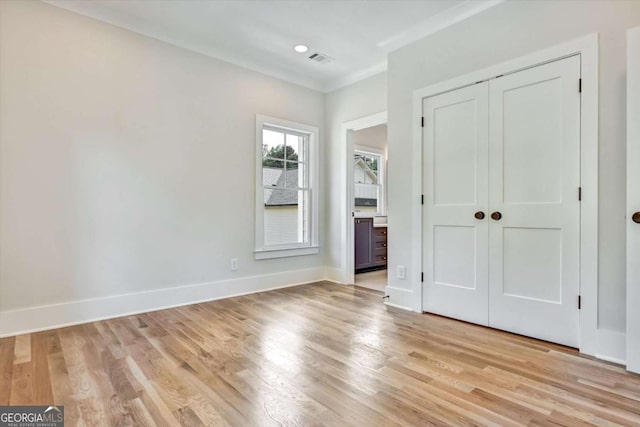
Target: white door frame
column 346, row 131
column 633, row 202
column 587, row 48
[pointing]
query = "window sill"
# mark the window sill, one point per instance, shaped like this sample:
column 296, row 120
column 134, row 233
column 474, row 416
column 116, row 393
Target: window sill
column 285, row 252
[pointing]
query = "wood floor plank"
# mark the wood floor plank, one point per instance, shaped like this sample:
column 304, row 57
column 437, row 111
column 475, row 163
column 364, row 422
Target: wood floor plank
column 7, row 350
column 40, row 348
column 318, row 354
column 22, row 384
column 22, row 349
column 92, row 408
column 61, row 386
column 151, row 399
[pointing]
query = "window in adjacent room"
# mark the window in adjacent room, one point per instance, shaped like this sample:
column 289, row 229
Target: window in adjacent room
column 286, row 193
column 368, row 181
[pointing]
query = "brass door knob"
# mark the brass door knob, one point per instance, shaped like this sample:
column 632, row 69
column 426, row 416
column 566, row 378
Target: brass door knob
column 636, row 217
column 479, row 215
column 496, row 216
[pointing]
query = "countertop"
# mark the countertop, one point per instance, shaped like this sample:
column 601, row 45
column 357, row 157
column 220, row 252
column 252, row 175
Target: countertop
column 379, row 221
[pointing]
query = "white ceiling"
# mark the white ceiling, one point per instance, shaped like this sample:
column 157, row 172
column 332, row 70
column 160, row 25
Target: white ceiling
column 260, row 34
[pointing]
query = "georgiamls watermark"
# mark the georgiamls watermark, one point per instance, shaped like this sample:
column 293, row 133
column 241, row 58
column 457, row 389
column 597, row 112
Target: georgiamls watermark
column 31, row 416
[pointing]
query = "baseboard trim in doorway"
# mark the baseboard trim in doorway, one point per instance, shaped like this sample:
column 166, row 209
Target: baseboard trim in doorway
column 335, row 275
column 40, row 318
column 400, row 298
column 611, row 346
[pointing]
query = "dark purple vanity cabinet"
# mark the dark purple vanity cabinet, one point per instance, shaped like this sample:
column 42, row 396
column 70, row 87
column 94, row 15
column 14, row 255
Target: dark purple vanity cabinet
column 370, row 245
column 363, row 228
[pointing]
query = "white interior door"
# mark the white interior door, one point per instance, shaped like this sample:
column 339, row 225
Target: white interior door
column 633, row 200
column 455, row 137
column 534, row 179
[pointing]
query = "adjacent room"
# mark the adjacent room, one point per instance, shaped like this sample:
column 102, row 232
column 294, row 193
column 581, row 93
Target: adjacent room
column 370, row 229
column 309, row 212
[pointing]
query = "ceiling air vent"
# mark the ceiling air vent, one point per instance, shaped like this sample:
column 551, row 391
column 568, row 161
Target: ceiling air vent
column 321, row 58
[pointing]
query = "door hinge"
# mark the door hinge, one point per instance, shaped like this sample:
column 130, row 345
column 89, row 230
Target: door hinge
column 422, row 199
column 421, row 277
column 580, row 85
column 579, row 302
column 422, row 121
column 580, row 194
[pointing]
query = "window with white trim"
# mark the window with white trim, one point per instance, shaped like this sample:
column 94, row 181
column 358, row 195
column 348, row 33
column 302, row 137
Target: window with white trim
column 286, row 199
column 369, row 181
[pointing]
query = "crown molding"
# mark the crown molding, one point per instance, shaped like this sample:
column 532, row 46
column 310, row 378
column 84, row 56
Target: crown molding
column 438, row 22
column 352, row 78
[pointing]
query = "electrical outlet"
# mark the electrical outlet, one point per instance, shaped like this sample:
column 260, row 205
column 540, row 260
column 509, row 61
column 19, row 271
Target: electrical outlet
column 402, row 272
column 234, row 264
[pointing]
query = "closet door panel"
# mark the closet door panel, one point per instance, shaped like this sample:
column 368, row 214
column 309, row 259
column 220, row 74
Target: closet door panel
column 533, row 185
column 455, row 241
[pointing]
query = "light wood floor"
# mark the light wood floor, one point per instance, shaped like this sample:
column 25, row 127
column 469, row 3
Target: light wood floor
column 374, row 280
column 311, row 355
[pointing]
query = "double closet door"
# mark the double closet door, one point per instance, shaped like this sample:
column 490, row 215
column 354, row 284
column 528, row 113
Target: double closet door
column 501, row 217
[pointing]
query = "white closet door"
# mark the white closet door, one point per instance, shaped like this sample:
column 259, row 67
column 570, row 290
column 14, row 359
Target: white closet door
column 534, row 178
column 633, row 199
column 455, row 242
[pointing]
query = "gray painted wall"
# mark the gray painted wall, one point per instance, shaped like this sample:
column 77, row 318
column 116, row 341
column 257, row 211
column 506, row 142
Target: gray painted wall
column 127, row 164
column 361, row 99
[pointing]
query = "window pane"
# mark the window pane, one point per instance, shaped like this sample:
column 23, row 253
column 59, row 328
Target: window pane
column 295, row 148
column 365, row 169
column 371, row 169
column 295, row 176
column 286, row 216
column 268, row 192
column 272, row 144
column 273, row 173
column 367, row 185
column 358, row 169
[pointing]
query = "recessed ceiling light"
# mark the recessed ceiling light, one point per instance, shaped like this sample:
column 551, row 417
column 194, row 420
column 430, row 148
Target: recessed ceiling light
column 300, row 48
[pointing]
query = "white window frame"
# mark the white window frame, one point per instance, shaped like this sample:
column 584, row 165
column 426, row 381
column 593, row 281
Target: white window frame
column 263, row 251
column 382, row 179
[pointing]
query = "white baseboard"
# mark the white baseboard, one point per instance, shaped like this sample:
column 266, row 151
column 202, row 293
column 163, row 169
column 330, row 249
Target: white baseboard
column 34, row 319
column 334, row 275
column 400, row 298
column 611, row 346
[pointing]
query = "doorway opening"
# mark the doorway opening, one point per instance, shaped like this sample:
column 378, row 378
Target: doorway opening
column 370, row 231
column 368, row 135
